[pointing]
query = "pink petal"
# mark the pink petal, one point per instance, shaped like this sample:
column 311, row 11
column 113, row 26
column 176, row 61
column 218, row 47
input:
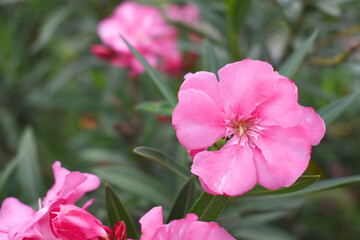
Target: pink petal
column 150, row 223
column 70, row 185
column 285, row 155
column 176, row 229
column 246, row 84
column 283, row 108
column 205, row 82
column 313, row 124
column 209, row 231
column 13, row 213
column 197, row 120
column 230, row 171
column 70, row 222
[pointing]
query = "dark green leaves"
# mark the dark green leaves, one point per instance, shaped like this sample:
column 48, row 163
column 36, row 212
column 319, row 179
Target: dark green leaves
column 162, row 159
column 116, row 212
column 161, row 108
column 208, row 207
column 183, row 201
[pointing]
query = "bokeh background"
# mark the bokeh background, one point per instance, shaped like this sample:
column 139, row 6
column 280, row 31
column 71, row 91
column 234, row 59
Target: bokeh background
column 60, row 102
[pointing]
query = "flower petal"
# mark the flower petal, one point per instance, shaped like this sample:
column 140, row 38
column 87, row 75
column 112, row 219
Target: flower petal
column 205, row 82
column 286, row 155
column 313, row 124
column 209, row 231
column 230, row 171
column 150, row 223
column 246, row 84
column 283, row 108
column 197, row 120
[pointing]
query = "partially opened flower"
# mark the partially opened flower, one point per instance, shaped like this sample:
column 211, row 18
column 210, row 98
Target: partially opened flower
column 152, row 228
column 58, row 217
column 145, row 29
column 270, row 134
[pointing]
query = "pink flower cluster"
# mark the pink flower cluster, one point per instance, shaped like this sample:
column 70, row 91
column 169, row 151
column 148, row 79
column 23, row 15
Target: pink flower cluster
column 57, row 217
column 253, row 107
column 149, row 34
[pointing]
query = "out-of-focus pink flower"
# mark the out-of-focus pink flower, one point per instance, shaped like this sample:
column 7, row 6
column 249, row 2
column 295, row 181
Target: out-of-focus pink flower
column 19, row 221
column 187, row 14
column 152, row 228
column 145, row 29
column 69, row 222
column 271, row 134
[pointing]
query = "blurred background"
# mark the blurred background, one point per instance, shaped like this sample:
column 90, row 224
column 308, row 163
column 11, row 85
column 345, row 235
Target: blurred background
column 60, row 102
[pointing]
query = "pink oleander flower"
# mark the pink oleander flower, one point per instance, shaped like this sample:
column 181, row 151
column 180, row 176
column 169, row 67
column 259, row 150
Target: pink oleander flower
column 149, row 34
column 19, row 221
column 152, row 228
column 270, row 134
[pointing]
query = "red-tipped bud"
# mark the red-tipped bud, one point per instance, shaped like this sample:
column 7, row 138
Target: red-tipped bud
column 119, row 231
column 102, row 51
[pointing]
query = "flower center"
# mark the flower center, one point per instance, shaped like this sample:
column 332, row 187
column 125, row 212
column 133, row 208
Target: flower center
column 241, row 127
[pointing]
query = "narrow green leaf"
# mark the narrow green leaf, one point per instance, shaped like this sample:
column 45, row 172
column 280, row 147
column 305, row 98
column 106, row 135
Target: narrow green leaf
column 162, row 159
column 261, row 232
column 28, row 170
column 183, row 201
column 161, row 108
column 302, row 182
column 291, row 65
column 330, row 112
column 116, row 212
column 136, row 182
column 208, row 207
column 323, row 185
column 210, row 60
column 154, row 75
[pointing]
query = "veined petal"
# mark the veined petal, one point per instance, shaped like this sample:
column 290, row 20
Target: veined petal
column 282, row 109
column 205, row 82
column 286, row 155
column 246, row 84
column 313, row 124
column 230, row 171
column 197, row 120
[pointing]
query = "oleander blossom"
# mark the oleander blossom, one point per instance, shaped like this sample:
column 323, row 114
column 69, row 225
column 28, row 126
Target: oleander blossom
column 188, row 13
column 269, row 134
column 57, row 217
column 149, row 34
column 152, row 228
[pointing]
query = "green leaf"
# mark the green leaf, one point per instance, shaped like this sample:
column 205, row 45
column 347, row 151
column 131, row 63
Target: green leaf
column 116, row 212
column 183, row 201
column 28, row 170
column 103, row 155
column 210, row 60
column 154, row 75
column 261, row 232
column 161, row 108
column 302, row 182
column 163, row 160
column 291, row 65
column 136, row 182
column 208, row 207
column 323, row 185
column 330, row 112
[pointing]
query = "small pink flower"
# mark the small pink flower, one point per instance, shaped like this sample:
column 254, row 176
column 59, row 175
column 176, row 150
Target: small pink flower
column 152, row 228
column 69, row 222
column 257, row 109
column 149, row 34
